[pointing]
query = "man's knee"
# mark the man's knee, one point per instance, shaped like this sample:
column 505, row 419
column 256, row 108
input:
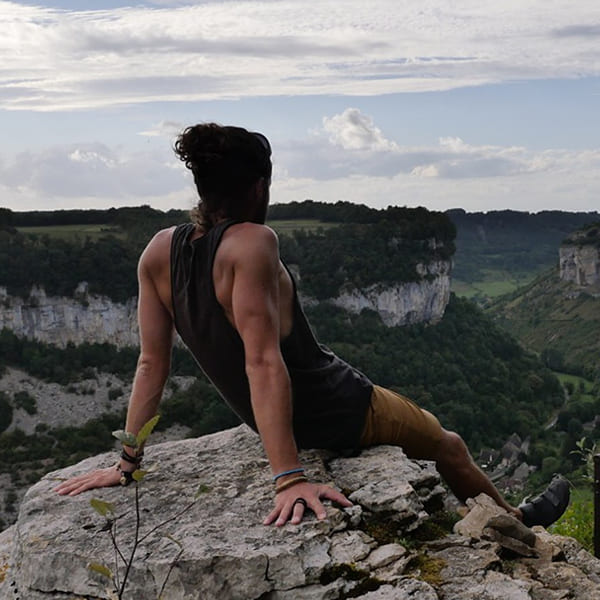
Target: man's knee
column 452, row 451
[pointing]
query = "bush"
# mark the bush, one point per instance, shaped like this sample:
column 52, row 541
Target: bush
column 115, row 393
column 6, row 412
column 25, row 401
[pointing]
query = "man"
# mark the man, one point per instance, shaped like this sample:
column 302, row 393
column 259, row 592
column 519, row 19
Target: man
column 220, row 284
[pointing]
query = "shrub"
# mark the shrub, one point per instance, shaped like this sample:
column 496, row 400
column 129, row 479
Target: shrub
column 25, row 401
column 115, row 393
column 6, row 412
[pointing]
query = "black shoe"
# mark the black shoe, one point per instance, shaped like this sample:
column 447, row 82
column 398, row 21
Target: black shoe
column 549, row 506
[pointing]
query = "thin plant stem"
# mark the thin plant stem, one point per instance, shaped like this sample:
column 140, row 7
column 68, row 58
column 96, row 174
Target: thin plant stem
column 136, row 540
column 146, row 535
column 113, row 537
column 164, row 585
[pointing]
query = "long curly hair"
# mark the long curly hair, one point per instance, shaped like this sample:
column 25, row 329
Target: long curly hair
column 226, row 162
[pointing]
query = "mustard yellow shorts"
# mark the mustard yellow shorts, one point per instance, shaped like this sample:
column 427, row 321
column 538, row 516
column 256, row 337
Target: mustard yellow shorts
column 396, row 420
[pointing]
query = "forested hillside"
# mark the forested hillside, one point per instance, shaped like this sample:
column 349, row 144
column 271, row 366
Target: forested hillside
column 499, row 251
column 378, row 246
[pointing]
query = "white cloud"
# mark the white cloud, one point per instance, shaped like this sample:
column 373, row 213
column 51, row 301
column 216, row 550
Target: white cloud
column 350, row 143
column 92, row 171
column 573, row 187
column 357, row 163
column 61, row 60
column 168, row 129
column 425, row 171
column 352, row 130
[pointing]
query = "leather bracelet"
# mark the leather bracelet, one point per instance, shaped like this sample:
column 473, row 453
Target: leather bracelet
column 126, row 476
column 289, row 483
column 133, row 460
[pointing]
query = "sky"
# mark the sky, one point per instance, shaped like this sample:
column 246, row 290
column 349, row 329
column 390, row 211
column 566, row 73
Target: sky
column 473, row 104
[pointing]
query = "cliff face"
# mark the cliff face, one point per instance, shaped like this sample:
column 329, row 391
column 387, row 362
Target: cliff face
column 580, row 264
column 368, row 551
column 580, row 257
column 58, row 320
column 97, row 319
column 405, row 303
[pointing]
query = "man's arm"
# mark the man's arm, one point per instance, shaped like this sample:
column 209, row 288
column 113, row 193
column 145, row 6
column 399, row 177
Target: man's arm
column 155, row 327
column 156, row 339
column 255, row 306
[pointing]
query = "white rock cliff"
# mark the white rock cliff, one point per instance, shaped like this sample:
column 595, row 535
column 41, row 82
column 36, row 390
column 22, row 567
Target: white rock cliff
column 97, row 319
column 422, row 301
column 580, row 264
column 59, row 320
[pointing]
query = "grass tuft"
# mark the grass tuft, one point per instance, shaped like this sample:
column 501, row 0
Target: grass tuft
column 578, row 520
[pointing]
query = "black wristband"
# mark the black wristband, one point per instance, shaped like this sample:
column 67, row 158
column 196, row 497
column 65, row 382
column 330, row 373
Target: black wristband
column 134, row 460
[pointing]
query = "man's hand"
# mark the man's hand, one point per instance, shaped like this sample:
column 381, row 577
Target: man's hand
column 95, row 479
column 287, row 507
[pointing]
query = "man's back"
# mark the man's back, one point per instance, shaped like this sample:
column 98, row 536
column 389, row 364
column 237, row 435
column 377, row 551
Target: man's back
column 329, row 396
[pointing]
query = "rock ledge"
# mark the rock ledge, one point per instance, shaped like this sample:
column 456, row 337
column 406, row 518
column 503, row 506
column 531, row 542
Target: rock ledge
column 229, row 555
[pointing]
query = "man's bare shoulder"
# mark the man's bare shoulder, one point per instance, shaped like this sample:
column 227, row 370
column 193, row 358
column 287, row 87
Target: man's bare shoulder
column 245, row 241
column 158, row 251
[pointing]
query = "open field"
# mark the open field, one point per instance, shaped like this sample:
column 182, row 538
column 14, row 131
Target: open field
column 496, row 282
column 576, row 381
column 95, row 231
column 289, row 225
column 69, row 232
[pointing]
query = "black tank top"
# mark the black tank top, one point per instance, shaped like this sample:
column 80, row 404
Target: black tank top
column 329, row 396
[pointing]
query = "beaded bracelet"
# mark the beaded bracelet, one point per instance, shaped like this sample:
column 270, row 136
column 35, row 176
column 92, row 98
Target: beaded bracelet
column 288, row 484
column 126, row 476
column 290, row 472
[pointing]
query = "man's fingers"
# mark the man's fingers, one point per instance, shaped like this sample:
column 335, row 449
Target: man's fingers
column 73, row 484
column 69, row 483
column 334, row 495
column 68, row 487
column 88, row 481
column 318, row 509
column 297, row 512
column 271, row 516
column 287, row 508
column 284, row 515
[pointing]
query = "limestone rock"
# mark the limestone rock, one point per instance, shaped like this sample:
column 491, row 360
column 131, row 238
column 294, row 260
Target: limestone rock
column 422, row 301
column 58, row 320
column 511, row 534
column 229, row 555
column 384, row 555
column 511, row 527
column 490, row 586
column 482, row 509
column 580, row 264
column 86, row 317
column 396, row 486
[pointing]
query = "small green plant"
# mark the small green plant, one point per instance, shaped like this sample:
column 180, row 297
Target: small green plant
column 587, row 452
column 107, row 511
column 578, row 520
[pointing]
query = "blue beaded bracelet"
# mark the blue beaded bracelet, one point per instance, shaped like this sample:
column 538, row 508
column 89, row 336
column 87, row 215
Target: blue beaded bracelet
column 290, row 472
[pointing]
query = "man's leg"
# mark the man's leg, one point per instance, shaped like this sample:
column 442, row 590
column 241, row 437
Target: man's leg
column 394, row 419
column 458, row 469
